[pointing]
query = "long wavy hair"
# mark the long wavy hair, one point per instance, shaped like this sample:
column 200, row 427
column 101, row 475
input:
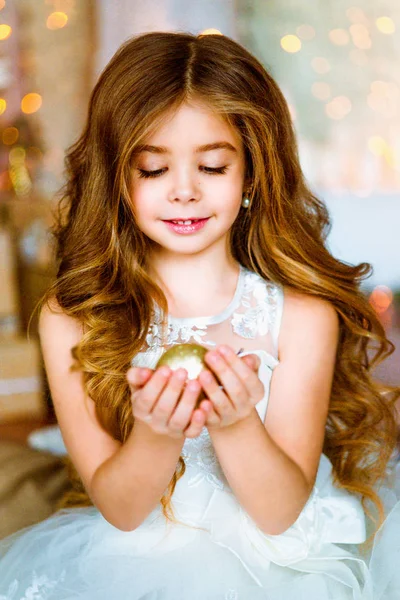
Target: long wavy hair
column 102, row 277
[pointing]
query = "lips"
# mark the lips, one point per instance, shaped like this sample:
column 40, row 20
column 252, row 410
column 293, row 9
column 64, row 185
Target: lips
column 187, row 228
column 185, row 219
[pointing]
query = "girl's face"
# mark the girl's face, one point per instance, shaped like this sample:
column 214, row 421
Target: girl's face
column 192, row 167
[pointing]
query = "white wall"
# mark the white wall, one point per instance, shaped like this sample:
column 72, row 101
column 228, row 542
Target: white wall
column 367, row 230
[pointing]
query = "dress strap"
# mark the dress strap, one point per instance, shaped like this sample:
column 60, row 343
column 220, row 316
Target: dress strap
column 277, row 318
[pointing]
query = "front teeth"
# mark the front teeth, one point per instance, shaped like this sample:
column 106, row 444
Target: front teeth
column 183, row 222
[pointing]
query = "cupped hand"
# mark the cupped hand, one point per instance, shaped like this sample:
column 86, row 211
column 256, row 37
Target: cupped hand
column 241, row 387
column 166, row 401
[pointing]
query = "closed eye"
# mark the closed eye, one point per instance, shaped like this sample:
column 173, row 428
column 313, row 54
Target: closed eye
column 158, row 172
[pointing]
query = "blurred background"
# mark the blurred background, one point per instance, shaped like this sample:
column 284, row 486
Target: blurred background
column 337, row 63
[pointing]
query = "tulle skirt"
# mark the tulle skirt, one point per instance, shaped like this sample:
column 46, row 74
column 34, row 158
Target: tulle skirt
column 218, row 554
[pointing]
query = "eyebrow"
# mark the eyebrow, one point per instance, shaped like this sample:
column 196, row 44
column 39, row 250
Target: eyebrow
column 198, row 150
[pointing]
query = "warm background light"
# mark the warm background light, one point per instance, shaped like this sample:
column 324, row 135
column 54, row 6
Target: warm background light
column 384, row 98
column 377, row 145
column 2, row 4
column 57, row 20
column 338, row 108
column 3, row 105
column 321, row 90
column 35, row 153
column 305, row 32
column 10, row 135
column 31, row 103
column 5, row 31
column 17, row 155
column 381, row 298
column 360, row 36
column 291, row 43
column 211, row 31
column 340, row 37
column 386, row 25
column 320, row 65
column 356, row 15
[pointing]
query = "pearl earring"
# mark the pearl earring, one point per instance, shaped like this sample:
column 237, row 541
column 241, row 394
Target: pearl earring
column 246, row 202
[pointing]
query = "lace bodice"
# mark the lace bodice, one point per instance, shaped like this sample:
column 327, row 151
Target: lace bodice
column 249, row 323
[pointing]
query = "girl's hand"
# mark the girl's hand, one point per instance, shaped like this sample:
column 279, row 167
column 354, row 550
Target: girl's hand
column 242, row 387
column 161, row 399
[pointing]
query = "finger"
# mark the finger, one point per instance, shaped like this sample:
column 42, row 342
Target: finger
column 137, row 376
column 251, row 361
column 248, row 377
column 180, row 418
column 146, row 397
column 234, row 388
column 212, row 418
column 196, row 424
column 168, row 400
column 222, row 404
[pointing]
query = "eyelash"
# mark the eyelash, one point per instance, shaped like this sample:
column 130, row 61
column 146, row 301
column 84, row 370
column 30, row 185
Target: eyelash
column 208, row 170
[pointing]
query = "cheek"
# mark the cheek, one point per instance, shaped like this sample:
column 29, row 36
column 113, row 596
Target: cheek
column 231, row 193
column 142, row 201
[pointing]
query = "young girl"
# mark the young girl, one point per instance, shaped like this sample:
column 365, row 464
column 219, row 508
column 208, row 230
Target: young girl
column 188, row 220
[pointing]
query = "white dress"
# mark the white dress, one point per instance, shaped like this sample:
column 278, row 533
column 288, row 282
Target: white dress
column 217, row 551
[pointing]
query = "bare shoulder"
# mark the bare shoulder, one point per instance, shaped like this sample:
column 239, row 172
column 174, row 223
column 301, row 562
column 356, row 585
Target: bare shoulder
column 307, row 319
column 52, row 315
column 299, row 302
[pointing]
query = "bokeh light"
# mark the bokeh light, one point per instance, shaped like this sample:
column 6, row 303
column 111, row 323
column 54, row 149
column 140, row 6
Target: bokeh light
column 385, row 25
column 5, row 31
column 10, row 136
column 3, row 105
column 321, row 90
column 360, row 36
column 306, row 32
column 291, row 43
column 377, row 145
column 211, row 31
column 57, row 20
column 338, row 107
column 384, row 98
column 2, row 4
column 340, row 37
column 320, row 65
column 17, row 155
column 355, row 14
column 34, row 153
column 31, row 103
column 381, row 298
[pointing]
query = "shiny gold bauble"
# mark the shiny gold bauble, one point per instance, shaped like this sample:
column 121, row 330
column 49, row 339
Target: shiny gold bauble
column 189, row 357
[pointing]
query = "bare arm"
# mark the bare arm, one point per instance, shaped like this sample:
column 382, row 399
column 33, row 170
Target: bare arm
column 129, row 485
column 125, row 482
column 272, row 467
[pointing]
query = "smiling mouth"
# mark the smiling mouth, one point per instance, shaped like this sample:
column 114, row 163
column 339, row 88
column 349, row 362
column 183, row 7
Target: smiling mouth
column 186, row 221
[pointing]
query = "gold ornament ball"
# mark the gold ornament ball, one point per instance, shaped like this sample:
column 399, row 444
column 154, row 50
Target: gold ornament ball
column 189, row 357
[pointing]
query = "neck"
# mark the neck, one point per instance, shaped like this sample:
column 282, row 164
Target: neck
column 196, row 285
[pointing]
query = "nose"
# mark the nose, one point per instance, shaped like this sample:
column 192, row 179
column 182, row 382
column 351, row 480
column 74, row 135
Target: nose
column 184, row 189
